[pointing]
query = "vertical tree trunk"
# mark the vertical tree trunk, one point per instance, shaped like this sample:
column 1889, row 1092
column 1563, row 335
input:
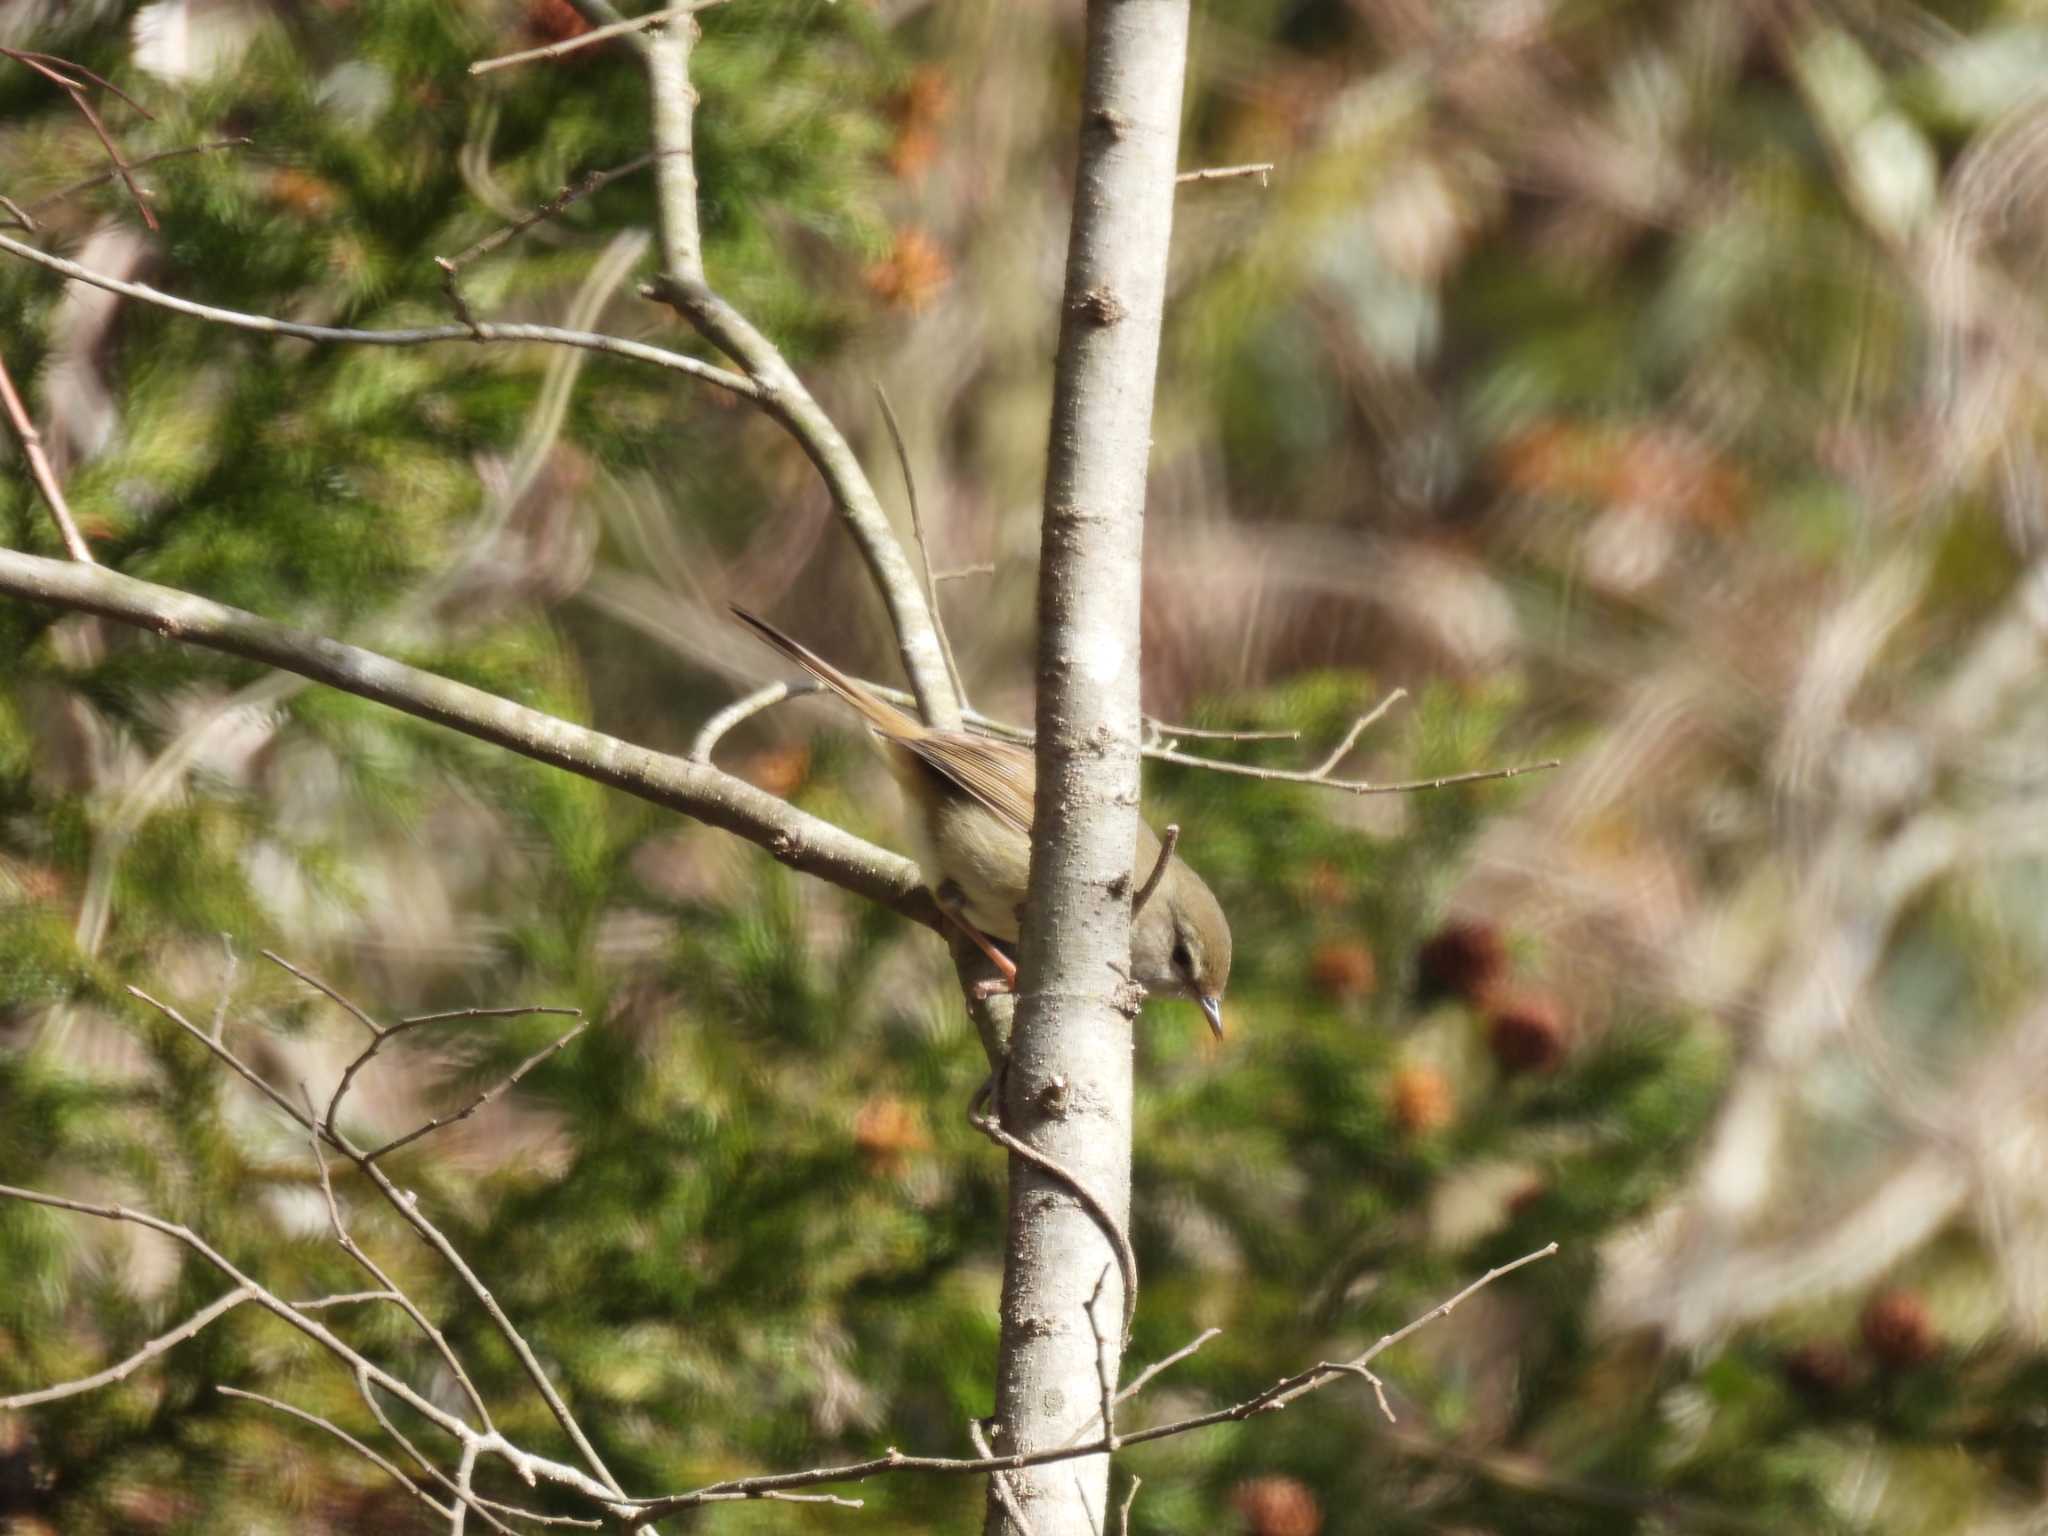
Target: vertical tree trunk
column 1068, row 1087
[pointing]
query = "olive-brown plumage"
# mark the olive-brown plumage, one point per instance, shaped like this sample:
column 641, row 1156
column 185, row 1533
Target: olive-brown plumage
column 973, row 797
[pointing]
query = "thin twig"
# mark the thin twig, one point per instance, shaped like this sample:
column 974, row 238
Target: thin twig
column 218, row 1307
column 405, row 1303
column 1351, row 786
column 1006, row 731
column 1145, row 1377
column 376, row 1030
column 40, row 467
column 1359, row 727
column 1119, row 1242
column 594, row 35
column 51, row 199
column 389, row 1468
column 1278, row 1396
column 513, row 1011
column 1130, row 1498
column 92, row 77
column 1006, row 1493
column 1167, row 843
column 362, row 1059
column 465, row 1472
column 489, row 330
column 743, row 709
column 48, row 66
column 408, row 1211
column 572, row 193
column 924, row 549
column 1262, row 169
column 792, row 1498
column 797, row 839
column 957, row 572
column 481, row 1099
column 346, row 1299
column 1161, row 730
column 1104, row 1382
column 367, row 1391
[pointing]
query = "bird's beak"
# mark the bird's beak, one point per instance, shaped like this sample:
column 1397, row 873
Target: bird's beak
column 1212, row 1009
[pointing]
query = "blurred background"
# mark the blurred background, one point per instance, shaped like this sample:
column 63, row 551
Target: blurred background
column 1656, row 385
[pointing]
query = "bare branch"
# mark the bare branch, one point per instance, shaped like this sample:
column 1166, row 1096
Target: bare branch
column 1280, row 1395
column 956, row 573
column 376, row 1030
column 361, row 1060
column 513, row 1011
column 376, row 1272
column 1098, row 1212
column 382, row 1464
column 347, row 1299
column 49, row 67
column 1160, row 730
column 1144, row 1378
column 1105, row 1380
column 51, row 199
column 799, row 840
column 740, row 710
column 684, row 286
column 219, row 1307
column 258, row 1294
column 1262, row 169
column 40, row 467
column 1130, row 1498
column 503, row 1085
column 489, row 330
column 1167, row 843
column 573, row 193
column 1006, row 1493
column 1350, row 786
column 1359, row 727
column 594, row 35
column 408, row 1211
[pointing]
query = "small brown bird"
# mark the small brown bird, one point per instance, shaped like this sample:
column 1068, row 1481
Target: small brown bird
column 974, row 796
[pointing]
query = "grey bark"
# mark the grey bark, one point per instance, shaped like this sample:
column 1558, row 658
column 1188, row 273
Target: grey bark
column 1067, row 1089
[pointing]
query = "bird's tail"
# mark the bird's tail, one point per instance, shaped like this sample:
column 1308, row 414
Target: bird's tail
column 877, row 712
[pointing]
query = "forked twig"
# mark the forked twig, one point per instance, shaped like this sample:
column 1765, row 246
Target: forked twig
column 50, row 68
column 503, row 1085
column 388, row 1467
column 1276, row 1397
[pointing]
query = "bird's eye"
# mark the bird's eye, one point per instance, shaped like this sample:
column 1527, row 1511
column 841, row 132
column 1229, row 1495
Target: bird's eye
column 1182, row 961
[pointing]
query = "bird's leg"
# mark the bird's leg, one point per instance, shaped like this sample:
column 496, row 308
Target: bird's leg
column 952, row 901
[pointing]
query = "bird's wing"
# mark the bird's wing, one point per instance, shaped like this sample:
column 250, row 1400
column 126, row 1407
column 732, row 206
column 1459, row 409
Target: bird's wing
column 999, row 774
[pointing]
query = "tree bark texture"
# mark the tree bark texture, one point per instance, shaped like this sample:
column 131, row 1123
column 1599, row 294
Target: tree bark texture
column 1067, row 1089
